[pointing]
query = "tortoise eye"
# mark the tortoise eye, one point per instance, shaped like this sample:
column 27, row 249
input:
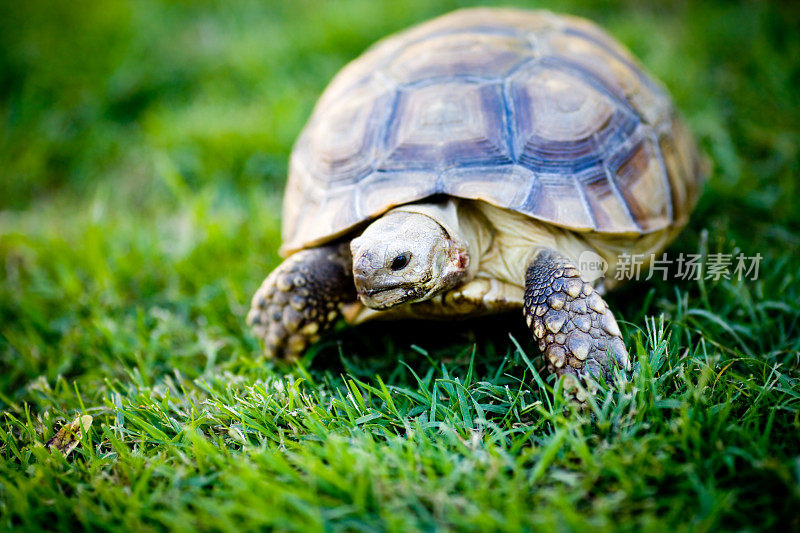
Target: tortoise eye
column 400, row 261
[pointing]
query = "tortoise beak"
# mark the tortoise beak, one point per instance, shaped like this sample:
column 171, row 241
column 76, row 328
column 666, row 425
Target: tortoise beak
column 389, row 293
column 386, row 298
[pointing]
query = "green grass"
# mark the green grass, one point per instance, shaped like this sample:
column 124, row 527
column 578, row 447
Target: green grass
column 143, row 150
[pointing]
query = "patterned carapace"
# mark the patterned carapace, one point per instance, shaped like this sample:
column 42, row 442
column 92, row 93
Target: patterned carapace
column 542, row 114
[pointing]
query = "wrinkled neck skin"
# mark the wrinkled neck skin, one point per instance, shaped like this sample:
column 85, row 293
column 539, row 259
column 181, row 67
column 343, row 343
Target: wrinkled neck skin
column 412, row 253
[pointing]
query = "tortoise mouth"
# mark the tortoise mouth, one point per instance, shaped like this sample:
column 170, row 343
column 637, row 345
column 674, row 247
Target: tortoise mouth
column 382, row 298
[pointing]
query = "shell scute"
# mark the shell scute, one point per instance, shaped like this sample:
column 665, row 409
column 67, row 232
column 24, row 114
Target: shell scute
column 615, row 67
column 640, row 178
column 341, row 143
column 447, row 124
column 605, row 201
column 563, row 123
column 509, row 184
column 380, row 189
column 558, row 197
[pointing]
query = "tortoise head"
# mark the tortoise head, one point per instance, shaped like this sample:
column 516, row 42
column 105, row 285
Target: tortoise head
column 405, row 257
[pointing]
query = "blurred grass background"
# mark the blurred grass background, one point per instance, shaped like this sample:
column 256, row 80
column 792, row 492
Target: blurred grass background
column 143, row 152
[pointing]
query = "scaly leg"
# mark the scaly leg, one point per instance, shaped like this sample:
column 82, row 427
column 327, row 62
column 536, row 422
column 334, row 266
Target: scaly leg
column 576, row 330
column 302, row 298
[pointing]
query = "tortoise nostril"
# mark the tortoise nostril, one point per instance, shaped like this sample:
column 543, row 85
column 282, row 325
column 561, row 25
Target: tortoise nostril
column 400, row 262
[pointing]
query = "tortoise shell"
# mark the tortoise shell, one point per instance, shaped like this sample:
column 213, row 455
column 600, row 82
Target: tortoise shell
column 543, row 114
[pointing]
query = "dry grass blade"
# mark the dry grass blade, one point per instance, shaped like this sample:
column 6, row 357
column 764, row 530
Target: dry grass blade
column 68, row 437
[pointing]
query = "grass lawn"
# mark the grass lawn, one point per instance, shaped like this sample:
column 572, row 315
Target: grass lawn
column 143, row 152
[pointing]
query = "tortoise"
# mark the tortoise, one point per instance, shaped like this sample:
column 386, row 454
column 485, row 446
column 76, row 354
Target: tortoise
column 465, row 166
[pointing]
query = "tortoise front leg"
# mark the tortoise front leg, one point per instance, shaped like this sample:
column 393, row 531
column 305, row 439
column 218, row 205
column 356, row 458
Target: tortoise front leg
column 576, row 330
column 302, row 298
